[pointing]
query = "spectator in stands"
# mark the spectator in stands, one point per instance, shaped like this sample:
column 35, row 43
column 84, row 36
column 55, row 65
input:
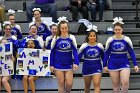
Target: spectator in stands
column 116, row 59
column 78, row 5
column 16, row 29
column 42, row 28
column 2, row 11
column 93, row 53
column 63, row 47
column 94, row 5
column 31, row 79
column 53, row 28
column 48, row 6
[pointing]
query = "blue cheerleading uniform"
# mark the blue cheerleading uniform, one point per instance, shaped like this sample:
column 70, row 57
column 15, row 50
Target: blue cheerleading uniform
column 16, row 30
column 116, row 53
column 42, row 29
column 39, row 43
column 62, row 52
column 93, row 55
column 48, row 42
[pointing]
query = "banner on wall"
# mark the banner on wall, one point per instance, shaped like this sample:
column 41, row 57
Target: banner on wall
column 6, row 63
column 33, row 62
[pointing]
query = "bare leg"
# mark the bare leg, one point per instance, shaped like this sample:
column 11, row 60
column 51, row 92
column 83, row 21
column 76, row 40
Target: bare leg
column 96, row 81
column 32, row 83
column 124, row 75
column 6, row 84
column 25, row 84
column 87, row 80
column 0, row 83
column 68, row 81
column 115, row 77
column 61, row 81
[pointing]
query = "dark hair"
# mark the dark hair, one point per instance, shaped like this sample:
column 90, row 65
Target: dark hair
column 32, row 25
column 118, row 24
column 59, row 25
column 11, row 15
column 34, row 43
column 52, row 25
column 87, row 36
column 36, row 10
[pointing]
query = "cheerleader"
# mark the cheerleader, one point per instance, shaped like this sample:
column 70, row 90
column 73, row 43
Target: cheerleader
column 10, row 38
column 42, row 28
column 93, row 53
column 116, row 59
column 30, row 43
column 5, row 79
column 33, row 35
column 16, row 29
column 53, row 28
column 63, row 48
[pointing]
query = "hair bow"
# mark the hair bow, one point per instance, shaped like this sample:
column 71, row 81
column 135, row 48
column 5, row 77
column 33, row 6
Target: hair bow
column 28, row 39
column 10, row 11
column 92, row 27
column 62, row 19
column 118, row 20
column 37, row 9
column 52, row 23
column 6, row 23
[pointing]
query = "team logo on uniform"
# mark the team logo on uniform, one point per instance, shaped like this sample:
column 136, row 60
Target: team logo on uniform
column 92, row 53
column 14, row 32
column 41, row 28
column 118, row 46
column 64, row 45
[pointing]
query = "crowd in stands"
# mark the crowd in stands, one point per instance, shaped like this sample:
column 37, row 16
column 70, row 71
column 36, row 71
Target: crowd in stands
column 75, row 6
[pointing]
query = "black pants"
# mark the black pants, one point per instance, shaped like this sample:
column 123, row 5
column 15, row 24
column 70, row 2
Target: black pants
column 75, row 9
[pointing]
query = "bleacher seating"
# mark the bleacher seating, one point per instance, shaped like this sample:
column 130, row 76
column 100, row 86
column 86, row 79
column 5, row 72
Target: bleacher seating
column 125, row 9
column 62, row 10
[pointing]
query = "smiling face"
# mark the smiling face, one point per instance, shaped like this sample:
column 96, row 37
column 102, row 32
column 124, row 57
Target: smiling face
column 118, row 30
column 7, row 30
column 92, row 37
column 33, row 30
column 54, row 30
column 64, row 29
column 30, row 44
